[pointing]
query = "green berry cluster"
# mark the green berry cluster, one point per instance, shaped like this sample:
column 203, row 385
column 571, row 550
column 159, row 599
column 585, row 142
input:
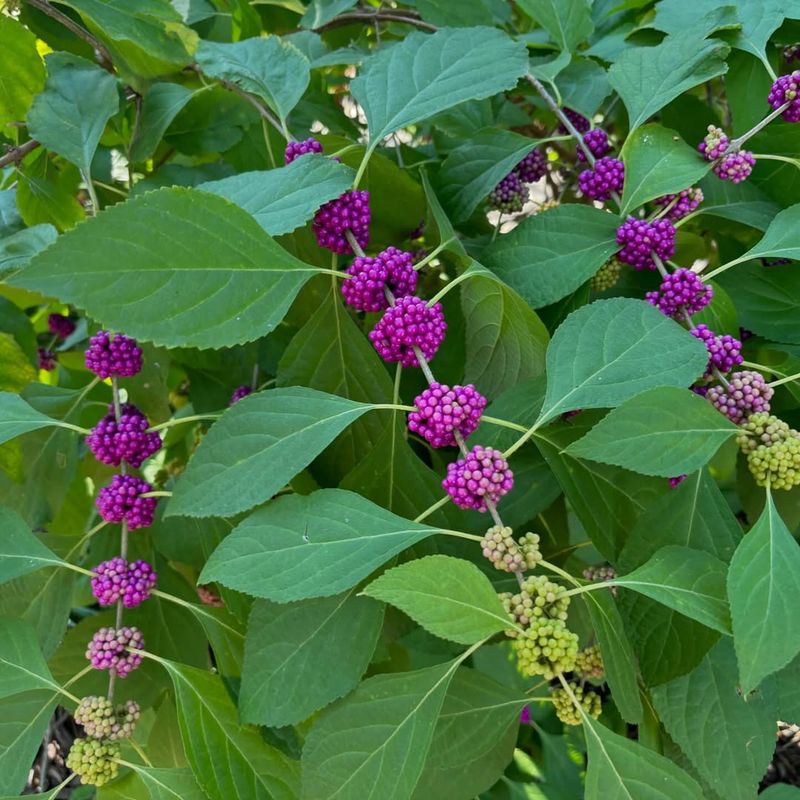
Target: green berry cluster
column 565, row 708
column 93, row 760
column 601, row 572
column 607, row 276
column 538, row 597
column 508, row 555
column 772, row 449
column 589, row 664
column 101, row 721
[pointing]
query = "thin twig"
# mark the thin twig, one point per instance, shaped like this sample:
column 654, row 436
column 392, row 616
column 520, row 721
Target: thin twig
column 375, row 17
column 16, row 154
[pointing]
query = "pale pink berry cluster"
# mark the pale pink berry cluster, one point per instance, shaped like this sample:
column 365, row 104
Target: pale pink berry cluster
column 370, row 277
column 681, row 292
column 482, row 477
column 108, row 649
column 441, row 411
column 117, row 580
column 747, row 393
column 640, row 239
column 735, row 167
column 409, row 325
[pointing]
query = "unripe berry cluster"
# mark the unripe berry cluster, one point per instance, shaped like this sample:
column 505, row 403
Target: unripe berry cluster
column 597, row 142
column 538, row 597
column 113, row 442
column 101, row 720
column 589, row 664
column 748, row 393
column 547, row 647
column 410, row 323
column 93, row 760
column 714, row 144
column 113, row 356
column 607, row 276
column 122, row 500
column 682, row 291
column 441, row 411
column 682, row 203
column 391, row 269
column 735, row 167
column 482, row 477
column 724, row 352
column 640, row 239
column 601, row 572
column 772, row 449
column 116, row 580
column 607, row 176
column 786, row 89
column 508, row 555
column 565, row 709
column 509, row 195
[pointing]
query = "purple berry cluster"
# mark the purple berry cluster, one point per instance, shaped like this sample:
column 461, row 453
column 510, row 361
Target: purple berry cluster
column 351, row 212
column 60, row 326
column 675, row 482
column 607, row 176
column 724, row 352
column 509, row 195
column 775, row 262
column 597, row 142
column 441, row 411
column 747, row 393
column 113, row 356
column 579, row 122
column 787, row 90
column 46, row 359
column 108, row 649
column 296, row 149
column 122, row 500
column 128, row 440
column 640, row 239
column 238, row 393
column 533, row 167
column 685, row 202
column 683, row 291
column 391, row 269
column 116, row 580
column 410, row 323
column 714, row 144
column 735, row 167
column 482, row 477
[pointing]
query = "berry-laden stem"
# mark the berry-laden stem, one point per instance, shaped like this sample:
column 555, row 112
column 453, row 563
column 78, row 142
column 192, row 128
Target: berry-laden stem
column 735, row 144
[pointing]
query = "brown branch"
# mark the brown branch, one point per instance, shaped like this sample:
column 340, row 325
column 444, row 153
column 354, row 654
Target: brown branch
column 16, row 154
column 374, row 17
column 103, row 56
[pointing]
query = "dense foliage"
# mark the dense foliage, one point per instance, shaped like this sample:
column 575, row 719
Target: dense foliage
column 399, row 401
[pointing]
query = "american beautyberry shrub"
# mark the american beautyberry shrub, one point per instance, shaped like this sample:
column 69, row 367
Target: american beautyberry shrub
column 772, row 449
column 60, row 326
column 46, row 359
column 101, row 720
column 607, row 276
column 735, row 167
column 238, row 393
column 117, row 580
column 724, row 352
column 746, row 393
column 579, row 122
column 786, row 89
column 589, row 664
column 350, row 212
column 506, row 553
column 532, row 168
column 681, row 204
column 296, row 149
column 681, row 292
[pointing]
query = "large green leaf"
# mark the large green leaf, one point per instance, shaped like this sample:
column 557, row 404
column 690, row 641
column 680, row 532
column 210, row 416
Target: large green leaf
column 160, row 106
column 764, row 576
column 732, row 764
column 228, row 759
column 310, row 546
column 282, row 683
column 647, row 78
column 24, row 720
column 273, row 435
column 658, row 162
column 595, row 357
column 549, row 255
column 285, row 198
column 374, row 743
column 741, row 202
column 19, row 248
column 189, row 269
column 268, row 67
column 20, row 551
column 450, row 597
column 22, row 665
column 569, row 22
column 321, row 11
column 425, row 74
column 17, row 416
column 664, row 431
column 22, row 70
column 781, row 239
column 69, row 116
column 173, row 783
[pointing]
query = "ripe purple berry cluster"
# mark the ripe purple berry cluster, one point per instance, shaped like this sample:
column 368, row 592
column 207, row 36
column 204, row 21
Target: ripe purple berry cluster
column 735, row 167
column 682, row 291
column 640, row 239
column 597, row 142
column 724, row 352
column 509, row 195
column 607, row 176
column 60, row 326
column 296, row 149
column 108, row 649
column 238, row 393
column 128, row 440
column 46, row 359
column 116, row 580
column 480, row 478
column 370, row 277
column 579, row 122
column 122, row 500
column 533, row 167
column 747, row 393
column 351, row 212
column 113, row 356
column 787, row 90
column 682, row 203
column 441, row 411
column 410, row 323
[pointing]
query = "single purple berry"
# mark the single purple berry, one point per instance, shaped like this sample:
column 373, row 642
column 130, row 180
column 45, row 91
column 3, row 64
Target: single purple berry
column 686, row 201
column 410, row 323
column 735, row 167
column 238, row 393
column 715, row 143
column 525, row 716
column 127, row 440
column 676, row 481
column 60, row 326
column 108, row 649
column 46, row 358
column 119, row 356
column 579, row 122
column 787, row 90
column 683, row 291
column 349, row 211
column 296, row 149
column 745, row 334
column 533, row 167
column 701, row 390
column 597, row 142
column 509, row 195
column 483, row 476
column 747, row 393
column 122, row 500
column 640, row 239
column 140, row 579
column 440, row 411
column 724, row 352
column 391, row 269
column 109, row 581
column 775, row 262
column 607, row 176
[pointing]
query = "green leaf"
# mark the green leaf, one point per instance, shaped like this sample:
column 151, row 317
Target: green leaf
column 46, row 194
column 764, row 576
column 160, row 106
column 618, row 657
column 25, row 717
column 227, row 759
column 285, row 198
column 549, row 255
column 675, row 16
column 314, row 546
column 569, row 22
column 647, row 78
column 658, row 162
column 20, row 551
column 595, row 357
column 16, row 373
column 69, row 116
column 689, row 581
column 426, row 74
column 22, row 70
column 449, row 597
column 175, row 783
column 320, row 12
column 272, row 434
column 443, row 12
column 375, row 741
column 190, row 270
column 781, row 239
column 732, row 764
column 19, row 248
column 505, row 339
column 22, row 666
column 664, row 431
column 584, row 85
column 473, row 740
column 620, row 769
column 282, row 683
column 741, row 202
column 17, row 416
column 780, row 791
column 268, row 67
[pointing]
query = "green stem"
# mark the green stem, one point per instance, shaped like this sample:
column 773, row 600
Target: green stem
column 362, row 167
column 70, row 427
column 445, row 289
column 566, row 687
column 521, row 441
column 180, row 420
column 76, row 568
column 558, row 571
column 740, row 140
column 787, row 379
column 156, row 494
column 86, row 536
column 461, row 535
column 430, row 509
column 763, row 368
column 769, row 157
column 75, row 678
column 719, row 270
column 194, row 608
column 393, row 407
column 423, row 262
column 140, row 752
column 504, row 423
column 87, row 179
column 589, row 587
